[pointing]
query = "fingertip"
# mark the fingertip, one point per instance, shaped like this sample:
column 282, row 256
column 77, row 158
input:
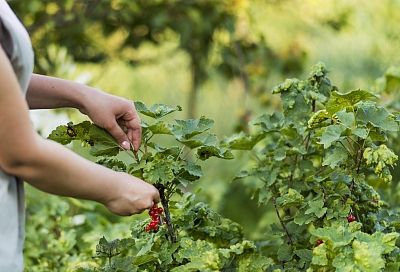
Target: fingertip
column 126, row 145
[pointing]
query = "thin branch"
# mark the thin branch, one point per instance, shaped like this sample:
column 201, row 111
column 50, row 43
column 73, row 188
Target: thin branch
column 346, row 148
column 354, row 141
column 282, row 223
column 164, row 202
column 350, row 145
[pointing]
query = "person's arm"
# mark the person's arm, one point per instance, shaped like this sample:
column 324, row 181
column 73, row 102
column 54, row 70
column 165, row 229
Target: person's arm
column 105, row 110
column 52, row 167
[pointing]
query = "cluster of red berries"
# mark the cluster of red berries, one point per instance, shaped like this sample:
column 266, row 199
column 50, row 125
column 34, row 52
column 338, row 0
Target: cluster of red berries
column 155, row 213
column 351, row 218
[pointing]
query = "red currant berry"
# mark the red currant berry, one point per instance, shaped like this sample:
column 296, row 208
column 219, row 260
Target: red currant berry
column 351, row 218
column 153, row 224
column 160, row 210
column 147, row 229
column 319, row 242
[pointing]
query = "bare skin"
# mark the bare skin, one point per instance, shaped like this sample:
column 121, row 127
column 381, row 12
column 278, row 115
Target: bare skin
column 55, row 169
column 104, row 109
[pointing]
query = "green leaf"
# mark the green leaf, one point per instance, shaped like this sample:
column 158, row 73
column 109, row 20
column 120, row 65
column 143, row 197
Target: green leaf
column 316, row 207
column 368, row 112
column 318, row 119
column 157, row 110
column 301, row 218
column 346, row 118
column 159, row 127
column 146, row 246
column 367, row 257
column 113, row 164
column 173, row 150
column 61, row 136
column 190, row 172
column 280, row 154
column 286, row 86
column 193, row 169
column 185, row 129
column 253, row 262
column 338, row 235
column 159, row 171
column 144, row 259
column 320, row 255
column 200, row 140
column 296, row 110
column 103, row 143
column 361, row 132
column 271, row 122
column 291, row 198
column 344, row 260
column 388, row 241
column 64, row 134
column 304, row 254
column 331, row 134
column 339, row 101
column 243, row 142
column 285, row 253
column 107, row 249
column 201, row 255
column 206, row 152
column 335, row 157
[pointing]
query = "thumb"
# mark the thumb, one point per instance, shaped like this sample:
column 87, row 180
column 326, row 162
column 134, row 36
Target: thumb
column 119, row 135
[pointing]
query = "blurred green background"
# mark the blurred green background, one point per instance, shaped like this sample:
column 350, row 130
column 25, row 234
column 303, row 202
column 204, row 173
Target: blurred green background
column 218, row 58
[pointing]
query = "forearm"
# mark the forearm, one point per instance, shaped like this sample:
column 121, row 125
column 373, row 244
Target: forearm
column 57, row 170
column 46, row 92
column 53, row 168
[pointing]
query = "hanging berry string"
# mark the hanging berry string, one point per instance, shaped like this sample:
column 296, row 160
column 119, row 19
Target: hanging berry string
column 156, row 218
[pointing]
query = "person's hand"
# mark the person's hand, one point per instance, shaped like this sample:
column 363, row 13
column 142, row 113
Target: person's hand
column 115, row 114
column 131, row 196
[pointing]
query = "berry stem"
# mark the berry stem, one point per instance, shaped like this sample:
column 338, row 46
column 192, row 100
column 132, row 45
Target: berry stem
column 170, row 226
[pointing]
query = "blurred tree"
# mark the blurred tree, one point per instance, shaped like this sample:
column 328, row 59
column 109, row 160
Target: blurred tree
column 85, row 29
column 140, row 21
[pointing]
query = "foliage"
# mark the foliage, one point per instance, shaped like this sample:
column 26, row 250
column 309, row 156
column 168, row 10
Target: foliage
column 320, row 162
column 206, row 242
column 319, row 159
column 193, row 237
column 60, row 232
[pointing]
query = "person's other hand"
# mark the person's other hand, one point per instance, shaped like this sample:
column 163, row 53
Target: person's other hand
column 131, row 195
column 115, row 114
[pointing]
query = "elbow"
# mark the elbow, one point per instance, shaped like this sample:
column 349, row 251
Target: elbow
column 21, row 162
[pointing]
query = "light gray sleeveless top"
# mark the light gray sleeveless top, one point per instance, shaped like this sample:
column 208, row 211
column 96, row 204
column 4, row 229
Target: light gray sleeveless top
column 16, row 43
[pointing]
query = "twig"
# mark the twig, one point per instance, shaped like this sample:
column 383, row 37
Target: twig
column 345, row 148
column 282, row 223
column 164, row 202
